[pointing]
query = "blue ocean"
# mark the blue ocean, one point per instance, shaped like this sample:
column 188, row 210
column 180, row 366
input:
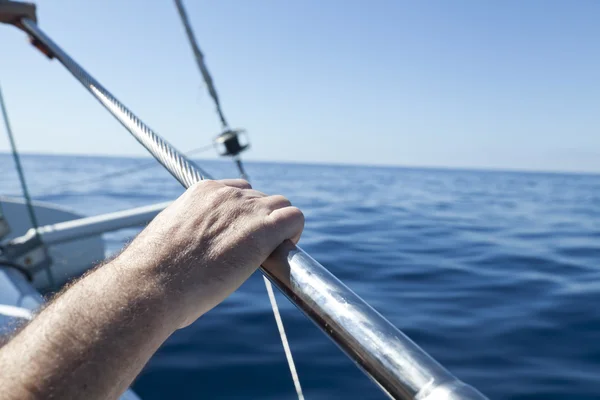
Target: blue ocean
column 495, row 274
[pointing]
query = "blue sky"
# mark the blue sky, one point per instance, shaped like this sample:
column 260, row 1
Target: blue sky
column 506, row 84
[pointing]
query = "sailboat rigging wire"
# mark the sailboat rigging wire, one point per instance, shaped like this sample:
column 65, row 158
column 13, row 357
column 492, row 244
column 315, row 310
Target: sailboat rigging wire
column 21, row 175
column 402, row 369
column 200, row 61
column 142, row 166
column 176, row 163
column 237, row 160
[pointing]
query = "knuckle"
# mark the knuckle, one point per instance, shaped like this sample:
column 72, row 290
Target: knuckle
column 282, row 199
column 297, row 213
column 237, row 183
column 245, row 184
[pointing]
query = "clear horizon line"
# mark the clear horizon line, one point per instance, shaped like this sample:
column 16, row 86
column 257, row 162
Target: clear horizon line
column 329, row 163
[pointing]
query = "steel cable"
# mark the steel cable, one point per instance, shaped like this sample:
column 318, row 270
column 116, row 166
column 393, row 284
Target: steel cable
column 21, row 175
column 142, row 166
column 176, row 163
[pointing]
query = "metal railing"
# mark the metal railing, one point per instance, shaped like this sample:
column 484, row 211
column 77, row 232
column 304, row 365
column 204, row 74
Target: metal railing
column 391, row 359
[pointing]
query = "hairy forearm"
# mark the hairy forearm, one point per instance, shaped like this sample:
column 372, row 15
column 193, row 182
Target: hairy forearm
column 92, row 341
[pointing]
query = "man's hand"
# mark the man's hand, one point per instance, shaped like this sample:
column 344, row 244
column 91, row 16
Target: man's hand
column 209, row 241
column 93, row 340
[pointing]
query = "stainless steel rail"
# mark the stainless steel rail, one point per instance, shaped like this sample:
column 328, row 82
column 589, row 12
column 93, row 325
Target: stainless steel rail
column 80, row 228
column 398, row 365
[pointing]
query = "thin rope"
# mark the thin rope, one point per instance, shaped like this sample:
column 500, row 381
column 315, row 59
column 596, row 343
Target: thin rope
column 279, row 321
column 28, row 203
column 284, row 341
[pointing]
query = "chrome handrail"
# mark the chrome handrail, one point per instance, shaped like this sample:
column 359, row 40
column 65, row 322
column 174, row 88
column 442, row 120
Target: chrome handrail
column 392, row 360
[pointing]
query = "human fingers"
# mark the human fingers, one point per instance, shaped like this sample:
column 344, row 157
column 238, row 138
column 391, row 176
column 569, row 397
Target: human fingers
column 288, row 223
column 251, row 193
column 237, row 183
column 275, row 202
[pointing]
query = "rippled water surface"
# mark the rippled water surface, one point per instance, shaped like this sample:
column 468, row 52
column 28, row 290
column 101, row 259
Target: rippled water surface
column 495, row 274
